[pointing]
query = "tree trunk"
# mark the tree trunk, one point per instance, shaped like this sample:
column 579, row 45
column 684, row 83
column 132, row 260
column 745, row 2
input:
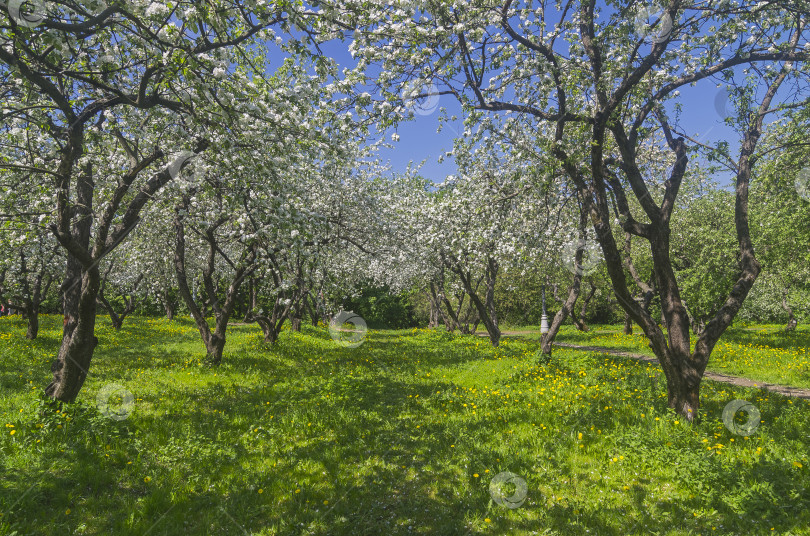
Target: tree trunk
column 438, row 296
column 451, row 321
column 32, row 309
column 215, row 344
column 433, row 317
column 130, row 302
column 271, row 327
column 628, row 325
column 792, row 322
column 573, row 293
column 79, row 291
column 33, row 322
column 114, row 318
column 579, row 321
column 486, row 311
column 78, row 341
column 312, row 310
column 270, row 333
column 169, row 308
column 252, row 299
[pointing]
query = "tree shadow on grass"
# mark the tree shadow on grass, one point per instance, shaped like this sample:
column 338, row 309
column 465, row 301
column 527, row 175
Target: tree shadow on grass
column 208, row 460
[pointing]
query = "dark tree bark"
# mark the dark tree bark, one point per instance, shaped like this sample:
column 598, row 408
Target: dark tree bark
column 435, row 313
column 74, row 99
column 287, row 304
column 683, row 367
column 81, row 284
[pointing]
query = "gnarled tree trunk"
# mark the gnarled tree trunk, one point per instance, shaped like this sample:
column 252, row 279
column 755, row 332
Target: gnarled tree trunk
column 214, row 340
column 79, row 291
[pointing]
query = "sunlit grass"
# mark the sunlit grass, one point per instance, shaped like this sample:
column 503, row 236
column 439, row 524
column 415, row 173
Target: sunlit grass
column 764, row 353
column 401, row 435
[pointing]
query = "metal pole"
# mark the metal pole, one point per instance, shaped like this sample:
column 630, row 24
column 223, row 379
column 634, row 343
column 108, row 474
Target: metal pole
column 544, row 318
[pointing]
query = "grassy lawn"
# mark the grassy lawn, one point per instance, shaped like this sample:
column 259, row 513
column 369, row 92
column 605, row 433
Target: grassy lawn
column 401, row 435
column 759, row 352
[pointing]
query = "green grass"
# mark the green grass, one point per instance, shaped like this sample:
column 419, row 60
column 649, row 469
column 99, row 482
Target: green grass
column 401, row 435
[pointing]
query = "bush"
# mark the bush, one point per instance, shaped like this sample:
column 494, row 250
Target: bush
column 381, row 309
